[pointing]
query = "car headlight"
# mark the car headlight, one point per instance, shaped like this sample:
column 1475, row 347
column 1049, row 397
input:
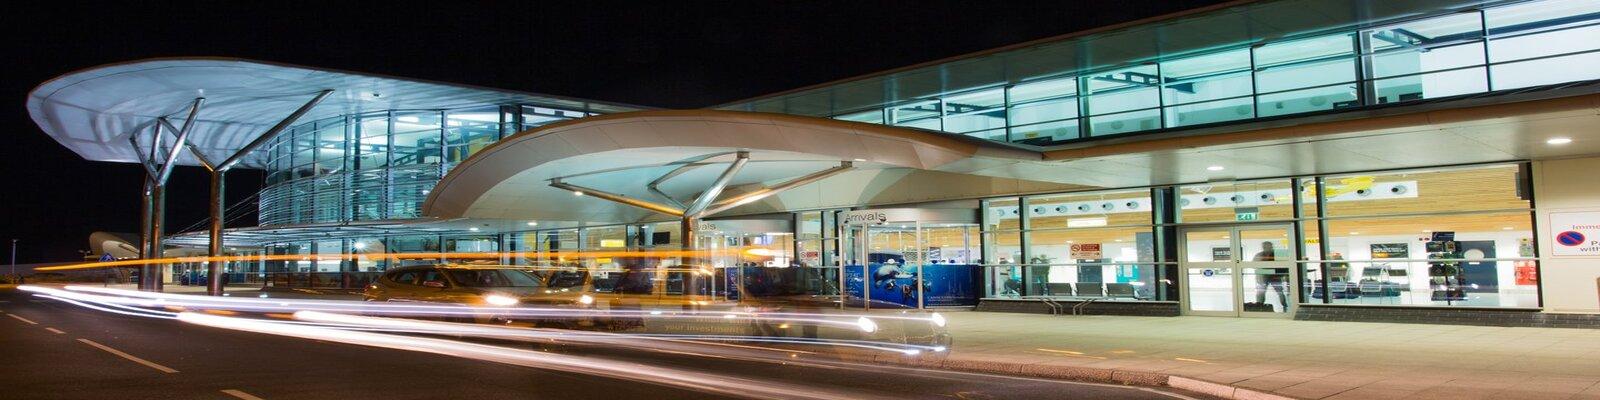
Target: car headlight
column 867, row 325
column 500, row 300
column 938, row 319
column 585, row 300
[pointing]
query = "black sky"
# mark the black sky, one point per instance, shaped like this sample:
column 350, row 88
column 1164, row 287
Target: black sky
column 653, row 53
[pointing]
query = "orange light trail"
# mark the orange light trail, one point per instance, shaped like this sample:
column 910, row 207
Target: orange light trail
column 395, row 256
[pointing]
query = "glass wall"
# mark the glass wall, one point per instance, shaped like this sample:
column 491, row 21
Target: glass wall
column 380, row 165
column 1385, row 239
column 1435, row 237
column 1474, row 50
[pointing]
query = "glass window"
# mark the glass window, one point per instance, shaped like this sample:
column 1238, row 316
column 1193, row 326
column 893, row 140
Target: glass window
column 873, row 116
column 975, row 112
column 468, row 131
column 330, row 146
column 372, row 150
column 492, row 278
column 522, row 248
column 1236, row 201
column 414, row 244
column 1123, row 101
column 1538, row 43
column 417, row 139
column 407, row 277
column 1043, row 90
column 922, row 114
column 1208, row 88
column 1382, row 247
column 1089, row 210
column 1306, row 75
column 1424, row 191
column 1097, row 244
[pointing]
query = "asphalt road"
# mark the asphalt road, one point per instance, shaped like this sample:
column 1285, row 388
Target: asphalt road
column 55, row 350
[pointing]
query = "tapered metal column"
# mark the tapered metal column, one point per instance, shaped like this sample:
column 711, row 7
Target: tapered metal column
column 151, row 279
column 144, row 220
column 689, row 226
column 214, row 269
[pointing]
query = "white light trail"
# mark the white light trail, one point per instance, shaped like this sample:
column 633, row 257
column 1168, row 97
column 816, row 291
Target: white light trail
column 693, row 380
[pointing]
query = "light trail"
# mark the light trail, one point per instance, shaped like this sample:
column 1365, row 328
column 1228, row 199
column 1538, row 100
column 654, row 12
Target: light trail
column 848, row 321
column 332, row 314
column 558, row 257
column 503, row 332
column 693, row 380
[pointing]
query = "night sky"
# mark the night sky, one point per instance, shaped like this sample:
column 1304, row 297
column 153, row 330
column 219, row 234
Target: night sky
column 652, row 53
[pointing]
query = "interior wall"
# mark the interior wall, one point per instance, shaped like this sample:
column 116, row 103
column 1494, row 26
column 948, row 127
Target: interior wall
column 1567, row 185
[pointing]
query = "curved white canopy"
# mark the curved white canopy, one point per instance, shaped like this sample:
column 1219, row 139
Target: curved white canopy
column 93, row 111
column 621, row 153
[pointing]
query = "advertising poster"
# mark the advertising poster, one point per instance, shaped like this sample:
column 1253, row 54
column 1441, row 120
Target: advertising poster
column 1575, row 234
column 893, row 285
column 1391, row 250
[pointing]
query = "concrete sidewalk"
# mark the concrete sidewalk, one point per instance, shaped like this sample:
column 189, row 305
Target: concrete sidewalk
column 1298, row 359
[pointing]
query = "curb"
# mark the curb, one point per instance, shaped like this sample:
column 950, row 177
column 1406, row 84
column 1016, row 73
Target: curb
column 1079, row 374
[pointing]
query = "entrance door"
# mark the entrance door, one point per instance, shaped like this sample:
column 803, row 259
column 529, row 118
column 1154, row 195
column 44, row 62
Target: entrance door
column 1238, row 270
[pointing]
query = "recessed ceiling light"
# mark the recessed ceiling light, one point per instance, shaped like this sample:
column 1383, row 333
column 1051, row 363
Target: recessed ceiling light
column 1215, row 168
column 1558, row 141
column 533, row 223
column 474, row 229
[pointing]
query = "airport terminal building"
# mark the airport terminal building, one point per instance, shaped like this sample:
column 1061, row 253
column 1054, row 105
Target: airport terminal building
column 1425, row 161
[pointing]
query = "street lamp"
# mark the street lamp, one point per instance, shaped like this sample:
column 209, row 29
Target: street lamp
column 13, row 257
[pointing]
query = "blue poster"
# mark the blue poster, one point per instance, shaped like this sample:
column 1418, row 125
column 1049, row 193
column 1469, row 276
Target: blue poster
column 894, row 285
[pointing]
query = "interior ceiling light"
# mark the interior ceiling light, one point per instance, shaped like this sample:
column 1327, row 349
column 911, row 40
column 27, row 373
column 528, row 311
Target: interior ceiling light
column 1558, row 141
column 533, row 223
column 577, row 193
column 1215, row 168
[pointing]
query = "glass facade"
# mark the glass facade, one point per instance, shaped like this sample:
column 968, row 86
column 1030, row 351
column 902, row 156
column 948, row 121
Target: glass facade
column 1476, row 50
column 380, row 165
column 1437, row 237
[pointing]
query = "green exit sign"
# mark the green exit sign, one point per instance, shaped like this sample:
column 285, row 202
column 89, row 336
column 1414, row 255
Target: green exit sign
column 1246, row 214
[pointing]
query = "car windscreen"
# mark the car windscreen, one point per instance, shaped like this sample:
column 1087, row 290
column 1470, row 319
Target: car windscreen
column 494, row 278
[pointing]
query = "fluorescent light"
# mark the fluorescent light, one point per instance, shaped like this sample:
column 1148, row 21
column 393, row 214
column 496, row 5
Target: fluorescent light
column 1086, row 222
column 533, row 223
column 474, row 229
column 577, row 193
column 1558, row 141
column 1215, row 168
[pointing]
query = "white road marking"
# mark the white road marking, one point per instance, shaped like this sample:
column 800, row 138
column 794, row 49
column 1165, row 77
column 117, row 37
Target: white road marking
column 22, row 319
column 241, row 394
column 130, row 357
column 57, row 331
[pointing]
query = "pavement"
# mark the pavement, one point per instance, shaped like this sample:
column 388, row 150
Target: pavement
column 1278, row 357
column 54, row 350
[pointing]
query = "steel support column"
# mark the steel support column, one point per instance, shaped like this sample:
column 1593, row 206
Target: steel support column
column 152, row 279
column 146, row 206
column 214, row 267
